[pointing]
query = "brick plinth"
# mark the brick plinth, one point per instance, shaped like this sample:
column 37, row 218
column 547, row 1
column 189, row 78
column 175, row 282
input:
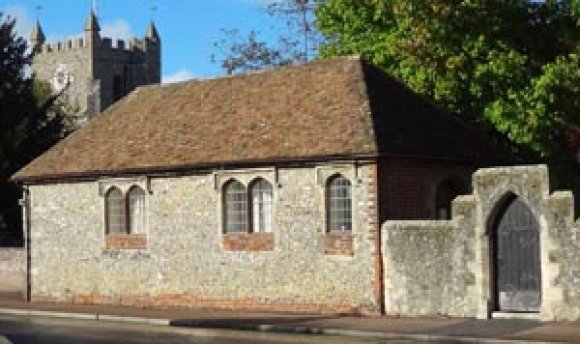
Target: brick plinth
column 190, row 301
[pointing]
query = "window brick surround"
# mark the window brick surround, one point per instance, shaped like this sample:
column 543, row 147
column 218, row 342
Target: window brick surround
column 126, row 241
column 253, row 242
column 338, row 243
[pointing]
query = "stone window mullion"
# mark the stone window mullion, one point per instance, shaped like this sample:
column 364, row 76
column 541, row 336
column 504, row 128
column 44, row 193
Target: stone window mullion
column 250, row 212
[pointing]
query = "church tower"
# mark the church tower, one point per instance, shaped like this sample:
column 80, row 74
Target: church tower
column 92, row 71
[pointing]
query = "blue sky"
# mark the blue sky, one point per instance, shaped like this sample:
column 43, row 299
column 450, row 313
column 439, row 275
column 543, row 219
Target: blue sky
column 188, row 28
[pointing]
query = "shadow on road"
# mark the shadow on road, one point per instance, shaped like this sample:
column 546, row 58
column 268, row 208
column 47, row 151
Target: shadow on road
column 277, row 324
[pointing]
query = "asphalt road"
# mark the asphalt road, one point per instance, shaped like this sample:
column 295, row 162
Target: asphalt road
column 22, row 330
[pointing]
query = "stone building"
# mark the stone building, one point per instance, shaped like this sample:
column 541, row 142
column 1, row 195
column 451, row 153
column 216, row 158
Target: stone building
column 95, row 71
column 258, row 191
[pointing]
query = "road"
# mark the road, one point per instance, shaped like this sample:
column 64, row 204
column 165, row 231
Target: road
column 22, row 330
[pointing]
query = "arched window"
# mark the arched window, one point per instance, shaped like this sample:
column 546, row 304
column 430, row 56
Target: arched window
column 236, row 207
column 261, row 196
column 136, row 207
column 446, row 192
column 339, row 204
column 115, row 211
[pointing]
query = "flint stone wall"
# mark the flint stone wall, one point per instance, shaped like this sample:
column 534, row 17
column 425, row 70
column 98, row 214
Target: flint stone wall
column 443, row 267
column 427, row 265
column 185, row 262
column 12, row 270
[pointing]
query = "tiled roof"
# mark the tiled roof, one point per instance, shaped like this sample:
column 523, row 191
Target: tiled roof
column 339, row 108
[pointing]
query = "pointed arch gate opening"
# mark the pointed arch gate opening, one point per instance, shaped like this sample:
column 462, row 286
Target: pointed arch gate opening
column 515, row 242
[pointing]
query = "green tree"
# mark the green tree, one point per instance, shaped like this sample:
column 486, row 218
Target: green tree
column 512, row 64
column 29, row 124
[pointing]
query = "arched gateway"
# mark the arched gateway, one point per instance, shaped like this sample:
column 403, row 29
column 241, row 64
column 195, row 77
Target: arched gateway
column 515, row 242
column 511, row 249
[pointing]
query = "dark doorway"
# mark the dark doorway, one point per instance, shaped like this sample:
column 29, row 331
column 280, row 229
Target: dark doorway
column 118, row 87
column 516, row 258
column 444, row 196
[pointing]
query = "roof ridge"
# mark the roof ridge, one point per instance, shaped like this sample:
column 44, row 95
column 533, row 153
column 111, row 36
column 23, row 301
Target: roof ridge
column 352, row 57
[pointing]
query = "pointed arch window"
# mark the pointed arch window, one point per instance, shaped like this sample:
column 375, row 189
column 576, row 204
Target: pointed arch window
column 115, row 211
column 236, row 207
column 125, row 215
column 125, row 218
column 136, row 210
column 339, row 204
column 261, row 195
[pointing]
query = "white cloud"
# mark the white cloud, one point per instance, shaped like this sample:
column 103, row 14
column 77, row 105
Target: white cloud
column 180, row 75
column 118, row 29
column 24, row 24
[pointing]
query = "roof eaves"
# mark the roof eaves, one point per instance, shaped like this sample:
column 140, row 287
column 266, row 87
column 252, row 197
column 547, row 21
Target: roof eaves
column 51, row 178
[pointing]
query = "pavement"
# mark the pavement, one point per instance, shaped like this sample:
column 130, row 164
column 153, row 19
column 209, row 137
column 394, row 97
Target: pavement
column 437, row 329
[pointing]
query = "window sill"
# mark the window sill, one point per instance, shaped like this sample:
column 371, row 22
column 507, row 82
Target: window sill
column 125, row 241
column 338, row 243
column 251, row 242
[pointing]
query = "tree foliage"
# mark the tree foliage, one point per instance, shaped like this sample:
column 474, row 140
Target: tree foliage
column 249, row 53
column 298, row 41
column 513, row 64
column 299, row 18
column 29, row 124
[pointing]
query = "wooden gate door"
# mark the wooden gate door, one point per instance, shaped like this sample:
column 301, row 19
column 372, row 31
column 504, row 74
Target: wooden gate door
column 517, row 258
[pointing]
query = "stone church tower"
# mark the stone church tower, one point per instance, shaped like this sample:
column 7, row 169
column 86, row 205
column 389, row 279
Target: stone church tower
column 93, row 71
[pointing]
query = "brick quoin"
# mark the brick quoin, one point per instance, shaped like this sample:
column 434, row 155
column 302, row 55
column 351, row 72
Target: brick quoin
column 375, row 224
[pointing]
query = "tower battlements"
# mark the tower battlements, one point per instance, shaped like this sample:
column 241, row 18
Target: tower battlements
column 106, row 44
column 96, row 71
column 77, row 43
